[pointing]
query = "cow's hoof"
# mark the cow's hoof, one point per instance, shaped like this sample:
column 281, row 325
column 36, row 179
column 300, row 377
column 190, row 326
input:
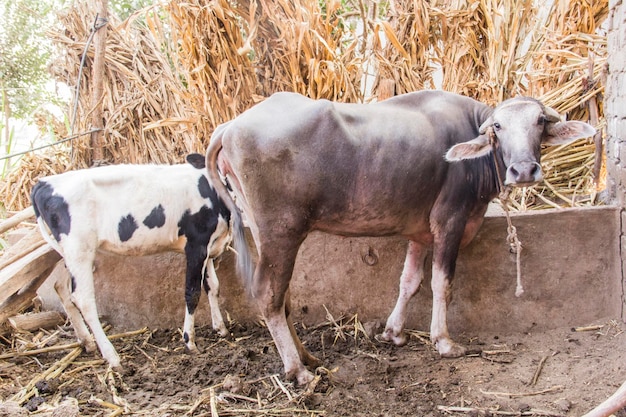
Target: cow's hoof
column 388, row 336
column 449, row 349
column 222, row 332
column 192, row 348
column 302, row 376
column 89, row 345
column 116, row 367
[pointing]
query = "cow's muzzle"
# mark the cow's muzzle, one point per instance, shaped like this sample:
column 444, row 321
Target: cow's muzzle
column 523, row 173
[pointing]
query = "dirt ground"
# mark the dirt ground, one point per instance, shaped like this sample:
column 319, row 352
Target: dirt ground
column 564, row 372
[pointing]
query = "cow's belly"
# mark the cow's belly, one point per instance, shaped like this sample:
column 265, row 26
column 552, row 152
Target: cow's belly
column 376, row 226
column 139, row 247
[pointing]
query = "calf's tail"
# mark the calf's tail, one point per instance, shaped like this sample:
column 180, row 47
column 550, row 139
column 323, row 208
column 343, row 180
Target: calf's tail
column 43, row 227
column 245, row 266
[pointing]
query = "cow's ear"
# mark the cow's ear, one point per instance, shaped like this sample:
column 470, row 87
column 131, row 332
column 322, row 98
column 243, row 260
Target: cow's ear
column 562, row 133
column 474, row 148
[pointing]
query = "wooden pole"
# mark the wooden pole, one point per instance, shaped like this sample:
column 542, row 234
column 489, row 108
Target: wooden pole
column 97, row 122
column 594, row 119
column 386, row 89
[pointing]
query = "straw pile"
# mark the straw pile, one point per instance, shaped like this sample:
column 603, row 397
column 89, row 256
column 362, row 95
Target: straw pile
column 173, row 73
column 496, row 49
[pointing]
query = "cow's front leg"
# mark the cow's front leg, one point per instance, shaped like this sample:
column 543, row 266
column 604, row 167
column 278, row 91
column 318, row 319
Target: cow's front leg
column 410, row 281
column 447, row 228
column 442, row 295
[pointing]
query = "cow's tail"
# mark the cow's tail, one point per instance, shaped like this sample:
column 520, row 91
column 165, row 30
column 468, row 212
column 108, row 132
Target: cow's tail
column 245, row 267
column 43, row 227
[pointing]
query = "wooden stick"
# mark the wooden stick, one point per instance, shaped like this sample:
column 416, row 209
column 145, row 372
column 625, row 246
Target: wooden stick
column 67, row 346
column 31, row 241
column 16, row 219
column 488, row 411
column 538, row 371
column 19, row 274
column 523, row 394
column 589, row 328
column 212, row 403
column 24, row 296
column 34, row 321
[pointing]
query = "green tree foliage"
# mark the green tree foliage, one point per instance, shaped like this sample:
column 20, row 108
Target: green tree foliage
column 24, row 54
column 124, row 8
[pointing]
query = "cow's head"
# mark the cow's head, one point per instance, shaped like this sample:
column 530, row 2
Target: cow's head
column 520, row 126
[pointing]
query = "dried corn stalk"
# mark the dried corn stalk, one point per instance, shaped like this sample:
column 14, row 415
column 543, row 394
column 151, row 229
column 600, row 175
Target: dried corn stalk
column 175, row 72
column 496, row 49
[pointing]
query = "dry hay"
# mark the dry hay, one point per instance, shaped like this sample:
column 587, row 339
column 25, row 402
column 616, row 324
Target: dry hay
column 174, row 73
column 495, row 49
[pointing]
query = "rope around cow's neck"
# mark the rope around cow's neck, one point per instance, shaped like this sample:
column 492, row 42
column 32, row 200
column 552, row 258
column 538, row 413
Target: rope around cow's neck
column 504, row 194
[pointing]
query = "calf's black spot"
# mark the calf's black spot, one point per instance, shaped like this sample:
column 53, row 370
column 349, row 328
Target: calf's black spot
column 208, row 192
column 52, row 208
column 156, row 218
column 126, row 227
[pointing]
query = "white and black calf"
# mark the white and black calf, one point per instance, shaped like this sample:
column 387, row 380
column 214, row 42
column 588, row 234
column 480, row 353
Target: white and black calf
column 133, row 210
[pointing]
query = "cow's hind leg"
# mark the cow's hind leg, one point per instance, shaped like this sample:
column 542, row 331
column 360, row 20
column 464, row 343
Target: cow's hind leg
column 307, row 358
column 410, row 280
column 212, row 288
column 63, row 286
column 271, row 281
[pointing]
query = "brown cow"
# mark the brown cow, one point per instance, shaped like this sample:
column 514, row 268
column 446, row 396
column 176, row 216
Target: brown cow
column 298, row 165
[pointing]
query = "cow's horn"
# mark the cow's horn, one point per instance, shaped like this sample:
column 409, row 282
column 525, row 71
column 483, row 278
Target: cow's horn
column 483, row 128
column 551, row 115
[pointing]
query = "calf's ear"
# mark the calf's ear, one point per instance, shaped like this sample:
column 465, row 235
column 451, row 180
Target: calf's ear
column 562, row 133
column 471, row 149
column 196, row 160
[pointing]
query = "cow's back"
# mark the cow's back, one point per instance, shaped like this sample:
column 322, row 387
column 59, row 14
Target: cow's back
column 130, row 207
column 351, row 169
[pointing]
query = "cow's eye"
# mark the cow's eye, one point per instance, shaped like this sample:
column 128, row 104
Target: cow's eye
column 497, row 126
column 541, row 120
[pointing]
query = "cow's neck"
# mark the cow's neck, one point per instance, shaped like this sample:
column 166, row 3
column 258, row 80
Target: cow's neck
column 487, row 186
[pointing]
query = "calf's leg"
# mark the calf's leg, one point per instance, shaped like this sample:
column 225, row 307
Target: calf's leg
column 196, row 256
column 79, row 260
column 410, row 280
column 62, row 286
column 212, row 288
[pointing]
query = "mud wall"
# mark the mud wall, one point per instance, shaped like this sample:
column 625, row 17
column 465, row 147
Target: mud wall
column 570, row 265
column 615, row 114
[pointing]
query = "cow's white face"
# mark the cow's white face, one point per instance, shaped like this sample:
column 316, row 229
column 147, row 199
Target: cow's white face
column 520, row 126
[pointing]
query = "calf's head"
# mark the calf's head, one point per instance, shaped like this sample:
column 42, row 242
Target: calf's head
column 521, row 126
